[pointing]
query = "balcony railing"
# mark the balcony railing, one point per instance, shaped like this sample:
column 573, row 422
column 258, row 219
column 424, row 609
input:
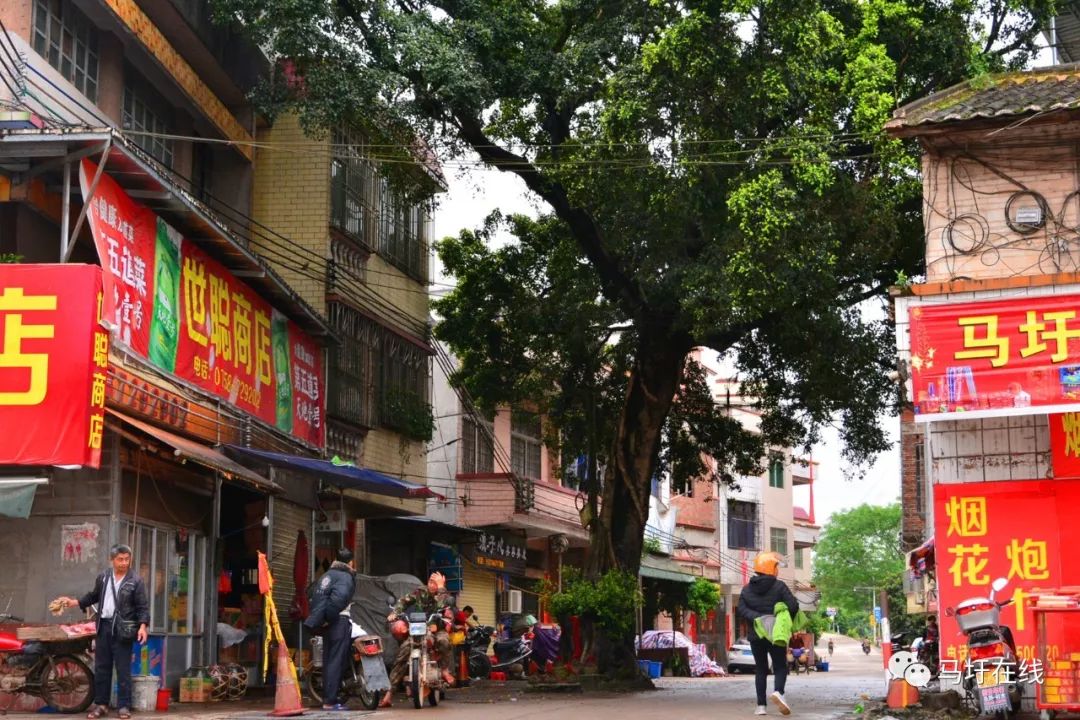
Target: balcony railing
column 497, row 499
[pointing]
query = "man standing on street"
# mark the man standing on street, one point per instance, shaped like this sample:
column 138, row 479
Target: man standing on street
column 330, row 614
column 123, row 614
column 758, row 600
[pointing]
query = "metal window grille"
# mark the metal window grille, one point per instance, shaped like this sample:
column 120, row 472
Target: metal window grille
column 145, row 112
column 69, row 42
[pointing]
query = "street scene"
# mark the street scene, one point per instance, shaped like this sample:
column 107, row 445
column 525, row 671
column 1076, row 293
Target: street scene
column 518, row 358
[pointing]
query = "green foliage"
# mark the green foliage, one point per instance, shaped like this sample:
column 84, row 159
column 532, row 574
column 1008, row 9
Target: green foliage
column 702, row 597
column 651, row 545
column 860, row 548
column 409, row 413
column 10, row 258
column 611, row 601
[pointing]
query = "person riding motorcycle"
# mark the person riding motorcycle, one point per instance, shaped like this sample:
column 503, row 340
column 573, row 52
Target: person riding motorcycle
column 429, row 600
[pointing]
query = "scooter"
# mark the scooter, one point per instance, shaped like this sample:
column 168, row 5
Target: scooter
column 991, row 667
column 57, row 672
column 511, row 656
column 424, row 679
column 364, row 677
column 866, row 647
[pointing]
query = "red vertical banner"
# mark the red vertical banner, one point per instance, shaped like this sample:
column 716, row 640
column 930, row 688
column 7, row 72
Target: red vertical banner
column 1010, row 529
column 123, row 232
column 1065, row 444
column 307, row 386
column 53, row 359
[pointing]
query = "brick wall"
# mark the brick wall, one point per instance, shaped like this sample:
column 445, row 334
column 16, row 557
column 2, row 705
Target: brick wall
column 292, row 197
column 913, row 521
column 698, row 510
column 968, row 180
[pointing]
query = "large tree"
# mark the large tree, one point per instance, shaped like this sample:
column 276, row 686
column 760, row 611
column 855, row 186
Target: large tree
column 714, row 175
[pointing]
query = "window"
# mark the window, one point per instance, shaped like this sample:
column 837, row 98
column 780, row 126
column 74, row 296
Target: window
column 145, row 112
column 799, row 558
column 67, row 40
column 525, row 444
column 477, row 450
column 742, row 525
column 402, row 239
column 351, row 181
column 776, row 472
column 778, row 540
column 171, row 563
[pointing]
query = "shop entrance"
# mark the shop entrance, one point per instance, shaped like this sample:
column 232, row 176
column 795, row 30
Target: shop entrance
column 243, row 533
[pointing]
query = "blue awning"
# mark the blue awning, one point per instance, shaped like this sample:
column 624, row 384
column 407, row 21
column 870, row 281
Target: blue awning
column 344, row 476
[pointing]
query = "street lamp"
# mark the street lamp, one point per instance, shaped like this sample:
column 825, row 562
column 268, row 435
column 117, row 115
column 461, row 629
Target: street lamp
column 873, row 595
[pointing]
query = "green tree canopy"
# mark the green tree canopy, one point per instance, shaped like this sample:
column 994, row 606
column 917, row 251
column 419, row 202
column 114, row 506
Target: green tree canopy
column 715, row 176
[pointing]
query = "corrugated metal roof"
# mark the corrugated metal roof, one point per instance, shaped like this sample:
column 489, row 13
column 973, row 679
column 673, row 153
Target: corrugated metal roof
column 1006, row 95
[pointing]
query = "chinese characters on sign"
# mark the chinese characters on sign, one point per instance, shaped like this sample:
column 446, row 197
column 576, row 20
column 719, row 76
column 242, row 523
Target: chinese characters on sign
column 985, row 531
column 187, row 314
column 497, row 552
column 53, row 358
column 995, row 355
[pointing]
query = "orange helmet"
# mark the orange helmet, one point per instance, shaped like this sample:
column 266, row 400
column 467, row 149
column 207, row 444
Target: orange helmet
column 399, row 629
column 768, row 563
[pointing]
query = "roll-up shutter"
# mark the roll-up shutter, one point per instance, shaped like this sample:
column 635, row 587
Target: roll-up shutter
column 478, row 591
column 289, row 520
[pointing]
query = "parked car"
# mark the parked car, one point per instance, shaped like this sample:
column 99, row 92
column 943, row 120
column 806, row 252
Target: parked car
column 740, row 658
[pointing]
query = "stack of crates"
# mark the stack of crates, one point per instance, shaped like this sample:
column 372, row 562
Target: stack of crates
column 1061, row 684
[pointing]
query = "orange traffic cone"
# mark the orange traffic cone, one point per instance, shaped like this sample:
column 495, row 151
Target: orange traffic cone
column 287, row 697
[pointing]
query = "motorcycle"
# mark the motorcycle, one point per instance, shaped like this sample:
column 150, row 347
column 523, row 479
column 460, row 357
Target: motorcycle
column 424, row 678
column 991, row 665
column 508, row 653
column 364, row 677
column 56, row 672
column 866, row 647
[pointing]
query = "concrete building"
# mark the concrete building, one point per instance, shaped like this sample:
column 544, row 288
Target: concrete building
column 148, row 101
column 986, row 432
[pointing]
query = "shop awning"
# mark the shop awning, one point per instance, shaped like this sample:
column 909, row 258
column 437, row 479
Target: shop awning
column 663, row 569
column 425, row 523
column 199, row 453
column 344, row 476
column 17, row 495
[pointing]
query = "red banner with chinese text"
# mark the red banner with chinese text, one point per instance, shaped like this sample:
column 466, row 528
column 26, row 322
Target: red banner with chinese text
column 1020, row 530
column 54, row 355
column 188, row 315
column 999, row 356
column 1065, row 445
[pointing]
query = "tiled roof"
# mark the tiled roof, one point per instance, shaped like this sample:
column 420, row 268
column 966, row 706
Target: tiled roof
column 995, row 96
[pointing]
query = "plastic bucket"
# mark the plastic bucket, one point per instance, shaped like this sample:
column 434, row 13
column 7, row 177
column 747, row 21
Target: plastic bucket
column 164, row 695
column 655, row 669
column 825, row 666
column 643, row 667
column 144, row 689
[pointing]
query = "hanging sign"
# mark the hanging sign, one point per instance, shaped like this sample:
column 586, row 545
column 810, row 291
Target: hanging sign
column 496, row 551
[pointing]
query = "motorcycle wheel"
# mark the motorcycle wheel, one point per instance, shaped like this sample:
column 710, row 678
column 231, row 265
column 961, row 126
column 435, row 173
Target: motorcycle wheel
column 314, row 684
column 415, row 683
column 479, row 666
column 433, row 697
column 369, row 698
column 67, row 684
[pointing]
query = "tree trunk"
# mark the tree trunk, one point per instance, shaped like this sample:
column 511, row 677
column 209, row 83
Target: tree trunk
column 618, row 531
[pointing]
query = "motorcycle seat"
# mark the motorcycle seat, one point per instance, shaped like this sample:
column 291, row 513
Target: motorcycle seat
column 506, row 645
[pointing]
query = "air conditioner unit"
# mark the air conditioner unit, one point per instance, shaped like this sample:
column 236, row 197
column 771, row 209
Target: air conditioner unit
column 511, row 602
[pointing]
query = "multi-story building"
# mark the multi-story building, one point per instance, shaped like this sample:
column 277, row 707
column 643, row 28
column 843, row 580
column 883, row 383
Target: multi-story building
column 500, row 478
column 127, row 139
column 986, row 344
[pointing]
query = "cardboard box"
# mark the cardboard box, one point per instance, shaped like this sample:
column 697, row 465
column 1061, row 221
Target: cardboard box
column 193, row 690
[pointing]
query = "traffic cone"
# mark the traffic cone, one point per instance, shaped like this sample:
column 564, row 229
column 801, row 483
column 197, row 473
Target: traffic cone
column 287, row 696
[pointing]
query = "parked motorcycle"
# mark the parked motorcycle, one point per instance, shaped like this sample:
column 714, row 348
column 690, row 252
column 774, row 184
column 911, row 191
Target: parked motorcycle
column 511, row 656
column 52, row 671
column 424, row 679
column 364, row 677
column 991, row 672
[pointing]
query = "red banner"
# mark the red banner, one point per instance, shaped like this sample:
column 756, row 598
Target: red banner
column 999, row 355
column 187, row 314
column 1065, row 445
column 53, row 360
column 988, row 530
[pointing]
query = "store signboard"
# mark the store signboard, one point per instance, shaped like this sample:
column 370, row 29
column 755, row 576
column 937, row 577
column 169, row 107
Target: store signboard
column 171, row 303
column 1018, row 356
column 497, row 551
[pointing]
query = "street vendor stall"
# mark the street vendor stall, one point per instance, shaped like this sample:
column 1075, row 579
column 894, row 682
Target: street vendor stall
column 1057, row 628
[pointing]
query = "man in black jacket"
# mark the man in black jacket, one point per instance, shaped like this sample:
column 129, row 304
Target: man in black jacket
column 330, row 614
column 122, row 601
column 759, row 598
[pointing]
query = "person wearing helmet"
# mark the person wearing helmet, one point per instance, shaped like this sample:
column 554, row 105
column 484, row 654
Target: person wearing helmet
column 758, row 599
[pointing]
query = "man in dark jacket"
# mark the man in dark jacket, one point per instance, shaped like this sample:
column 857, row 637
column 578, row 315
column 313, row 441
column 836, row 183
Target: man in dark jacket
column 759, row 598
column 122, row 600
column 330, row 615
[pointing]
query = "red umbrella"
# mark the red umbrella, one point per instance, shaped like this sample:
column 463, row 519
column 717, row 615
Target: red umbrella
column 300, row 607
